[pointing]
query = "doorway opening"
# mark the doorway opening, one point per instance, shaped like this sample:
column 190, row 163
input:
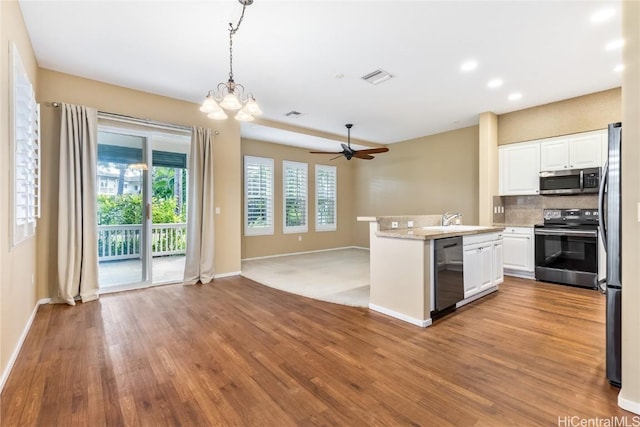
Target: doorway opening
column 142, row 208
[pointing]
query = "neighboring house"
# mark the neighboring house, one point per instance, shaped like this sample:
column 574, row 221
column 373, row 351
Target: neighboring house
column 109, row 179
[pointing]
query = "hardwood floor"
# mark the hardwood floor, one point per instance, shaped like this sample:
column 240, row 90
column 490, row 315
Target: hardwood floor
column 238, row 353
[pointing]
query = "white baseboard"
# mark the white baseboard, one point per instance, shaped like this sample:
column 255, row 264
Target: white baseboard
column 519, row 273
column 629, row 405
column 400, row 316
column 230, row 274
column 477, row 296
column 306, row 252
column 23, row 336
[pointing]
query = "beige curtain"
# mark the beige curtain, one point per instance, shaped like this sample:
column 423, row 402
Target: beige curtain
column 199, row 265
column 77, row 220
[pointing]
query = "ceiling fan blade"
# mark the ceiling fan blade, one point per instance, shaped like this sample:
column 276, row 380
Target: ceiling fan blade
column 325, row 152
column 373, row 150
column 363, row 156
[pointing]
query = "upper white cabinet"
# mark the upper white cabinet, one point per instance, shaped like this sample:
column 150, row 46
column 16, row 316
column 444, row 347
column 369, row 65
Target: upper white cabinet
column 554, row 154
column 519, row 169
column 521, row 163
column 578, row 151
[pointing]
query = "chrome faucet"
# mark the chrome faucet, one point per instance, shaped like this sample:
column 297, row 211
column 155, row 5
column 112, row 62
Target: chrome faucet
column 447, row 217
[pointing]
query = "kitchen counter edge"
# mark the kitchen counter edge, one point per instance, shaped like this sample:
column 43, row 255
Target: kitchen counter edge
column 419, row 234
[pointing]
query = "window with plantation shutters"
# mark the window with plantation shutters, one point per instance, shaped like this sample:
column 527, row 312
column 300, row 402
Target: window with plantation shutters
column 326, row 198
column 25, row 137
column 258, row 196
column 294, row 177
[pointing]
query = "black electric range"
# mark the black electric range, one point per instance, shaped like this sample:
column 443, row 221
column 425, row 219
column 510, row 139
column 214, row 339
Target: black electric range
column 567, row 247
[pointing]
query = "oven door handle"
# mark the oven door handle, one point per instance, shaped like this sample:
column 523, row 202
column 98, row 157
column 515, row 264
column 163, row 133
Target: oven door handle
column 574, row 233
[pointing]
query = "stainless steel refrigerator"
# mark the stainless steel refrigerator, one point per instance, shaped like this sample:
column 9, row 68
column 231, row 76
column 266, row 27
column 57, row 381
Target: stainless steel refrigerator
column 610, row 228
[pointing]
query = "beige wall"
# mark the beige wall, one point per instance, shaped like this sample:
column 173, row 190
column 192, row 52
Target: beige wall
column 630, row 394
column 280, row 243
column 55, row 86
column 581, row 114
column 18, row 295
column 428, row 175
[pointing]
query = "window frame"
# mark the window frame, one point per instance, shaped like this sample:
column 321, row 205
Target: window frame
column 334, row 225
column 269, row 229
column 304, row 228
column 24, row 140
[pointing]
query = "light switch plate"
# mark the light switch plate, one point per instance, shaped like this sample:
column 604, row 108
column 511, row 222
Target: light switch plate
column 217, row 211
column 409, row 224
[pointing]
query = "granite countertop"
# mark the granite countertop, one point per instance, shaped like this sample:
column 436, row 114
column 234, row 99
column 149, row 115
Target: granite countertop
column 422, row 234
column 505, row 225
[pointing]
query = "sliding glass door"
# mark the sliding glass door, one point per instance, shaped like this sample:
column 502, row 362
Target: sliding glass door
column 142, row 189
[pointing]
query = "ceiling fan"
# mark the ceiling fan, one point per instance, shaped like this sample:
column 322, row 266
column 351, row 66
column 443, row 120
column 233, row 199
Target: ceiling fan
column 349, row 152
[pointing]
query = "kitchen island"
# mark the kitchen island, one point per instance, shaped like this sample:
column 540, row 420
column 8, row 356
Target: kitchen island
column 402, row 264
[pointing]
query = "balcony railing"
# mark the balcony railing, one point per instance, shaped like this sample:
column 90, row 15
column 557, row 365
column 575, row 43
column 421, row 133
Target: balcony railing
column 117, row 242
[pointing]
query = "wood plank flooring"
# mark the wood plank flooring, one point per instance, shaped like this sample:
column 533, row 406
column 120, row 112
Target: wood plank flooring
column 238, row 353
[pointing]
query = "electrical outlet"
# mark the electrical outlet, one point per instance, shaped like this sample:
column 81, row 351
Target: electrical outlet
column 217, row 211
column 394, row 224
column 299, row 238
column 410, row 224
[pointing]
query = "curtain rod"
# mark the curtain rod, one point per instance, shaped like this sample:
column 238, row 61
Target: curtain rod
column 135, row 120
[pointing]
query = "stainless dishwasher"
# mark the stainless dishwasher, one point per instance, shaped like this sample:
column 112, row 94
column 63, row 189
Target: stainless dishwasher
column 448, row 283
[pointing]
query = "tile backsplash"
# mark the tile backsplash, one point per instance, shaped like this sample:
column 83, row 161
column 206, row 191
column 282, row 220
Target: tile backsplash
column 527, row 210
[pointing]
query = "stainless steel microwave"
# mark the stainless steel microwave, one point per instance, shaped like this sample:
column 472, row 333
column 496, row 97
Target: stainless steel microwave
column 570, row 181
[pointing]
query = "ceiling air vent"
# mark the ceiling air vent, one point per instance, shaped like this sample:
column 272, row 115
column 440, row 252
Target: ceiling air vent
column 294, row 114
column 376, row 77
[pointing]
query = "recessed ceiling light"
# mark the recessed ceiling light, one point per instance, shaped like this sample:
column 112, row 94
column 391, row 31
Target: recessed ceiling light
column 616, row 44
column 338, row 76
column 495, row 83
column 469, row 65
column 602, row 15
column 618, row 68
column 515, row 96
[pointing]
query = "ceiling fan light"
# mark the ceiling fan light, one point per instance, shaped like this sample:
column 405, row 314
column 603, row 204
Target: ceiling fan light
column 210, row 105
column 252, row 107
column 230, row 102
column 244, row 116
column 218, row 115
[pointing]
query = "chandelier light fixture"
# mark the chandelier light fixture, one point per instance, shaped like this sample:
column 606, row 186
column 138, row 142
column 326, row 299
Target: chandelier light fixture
column 231, row 96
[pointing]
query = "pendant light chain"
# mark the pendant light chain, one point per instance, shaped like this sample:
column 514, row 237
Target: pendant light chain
column 232, row 31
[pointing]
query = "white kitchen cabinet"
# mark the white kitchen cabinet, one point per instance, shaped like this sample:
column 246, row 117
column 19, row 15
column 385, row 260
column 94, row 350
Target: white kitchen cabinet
column 554, row 154
column 498, row 262
column 482, row 262
column 472, row 270
column 519, row 169
column 518, row 251
column 583, row 150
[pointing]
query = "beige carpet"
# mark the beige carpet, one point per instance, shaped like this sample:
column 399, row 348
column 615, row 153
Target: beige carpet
column 340, row 276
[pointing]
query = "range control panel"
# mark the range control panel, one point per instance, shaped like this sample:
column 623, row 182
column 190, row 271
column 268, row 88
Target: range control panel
column 570, row 216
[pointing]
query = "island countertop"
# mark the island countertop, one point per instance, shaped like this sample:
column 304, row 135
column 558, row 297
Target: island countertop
column 430, row 233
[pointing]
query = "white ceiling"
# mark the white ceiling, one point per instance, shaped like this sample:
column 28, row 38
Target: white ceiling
column 288, row 52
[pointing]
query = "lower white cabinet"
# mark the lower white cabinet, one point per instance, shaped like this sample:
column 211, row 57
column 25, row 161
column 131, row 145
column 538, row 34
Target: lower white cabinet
column 518, row 250
column 482, row 262
column 498, row 261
